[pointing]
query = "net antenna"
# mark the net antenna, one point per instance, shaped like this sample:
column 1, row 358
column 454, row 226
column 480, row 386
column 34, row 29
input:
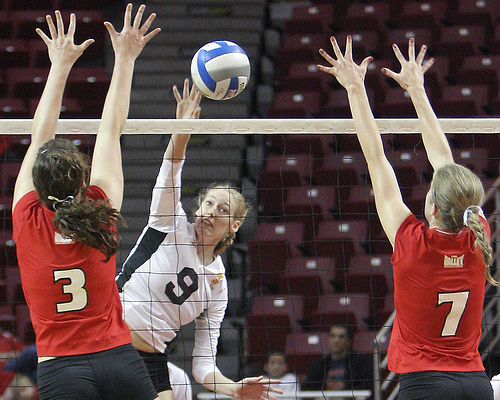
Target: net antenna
column 256, row 126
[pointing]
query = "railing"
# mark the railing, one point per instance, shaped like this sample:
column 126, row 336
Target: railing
column 310, row 394
column 491, row 308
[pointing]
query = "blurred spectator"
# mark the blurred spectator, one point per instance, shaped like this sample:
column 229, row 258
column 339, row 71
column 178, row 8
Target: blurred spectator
column 276, row 367
column 10, row 348
column 342, row 368
column 23, row 384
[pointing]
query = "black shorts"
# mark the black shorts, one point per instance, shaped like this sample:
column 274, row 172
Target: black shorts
column 440, row 385
column 117, row 373
column 157, row 364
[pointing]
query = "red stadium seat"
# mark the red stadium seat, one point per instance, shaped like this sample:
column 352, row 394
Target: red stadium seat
column 296, row 104
column 24, row 327
column 309, row 277
column 427, row 14
column 270, row 320
column 310, row 205
column 397, row 103
column 14, row 53
column 308, row 19
column 6, row 28
column 402, row 36
column 370, row 16
column 13, row 108
column 90, row 86
column 339, row 239
column 365, row 342
column 304, row 76
column 481, row 70
column 29, row 4
column 300, row 48
column 364, row 43
column 463, row 101
column 303, row 348
column 352, row 309
column 269, row 250
column 26, row 82
column 484, row 12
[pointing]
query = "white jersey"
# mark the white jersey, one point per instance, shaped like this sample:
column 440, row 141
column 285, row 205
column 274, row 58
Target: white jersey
column 180, row 382
column 495, row 384
column 163, row 283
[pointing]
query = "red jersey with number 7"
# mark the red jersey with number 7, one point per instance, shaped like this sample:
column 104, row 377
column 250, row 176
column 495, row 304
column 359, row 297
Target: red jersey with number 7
column 71, row 293
column 439, row 286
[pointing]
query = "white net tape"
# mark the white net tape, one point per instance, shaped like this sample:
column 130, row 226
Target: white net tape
column 256, row 126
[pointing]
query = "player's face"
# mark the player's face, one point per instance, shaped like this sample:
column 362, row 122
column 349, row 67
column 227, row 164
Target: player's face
column 213, row 217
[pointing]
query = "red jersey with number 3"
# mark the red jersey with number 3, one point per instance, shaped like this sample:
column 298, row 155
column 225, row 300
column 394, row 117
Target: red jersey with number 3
column 439, row 286
column 71, row 293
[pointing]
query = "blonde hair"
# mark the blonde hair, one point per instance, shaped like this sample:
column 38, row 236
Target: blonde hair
column 239, row 209
column 454, row 189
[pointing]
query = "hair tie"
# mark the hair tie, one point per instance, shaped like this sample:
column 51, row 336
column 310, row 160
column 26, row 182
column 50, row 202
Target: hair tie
column 56, row 202
column 468, row 210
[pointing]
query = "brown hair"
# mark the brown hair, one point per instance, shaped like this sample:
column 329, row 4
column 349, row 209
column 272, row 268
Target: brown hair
column 61, row 175
column 239, row 209
column 454, row 188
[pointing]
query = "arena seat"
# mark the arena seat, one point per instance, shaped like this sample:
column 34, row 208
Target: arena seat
column 26, row 83
column 428, row 15
column 296, row 104
column 463, row 101
column 13, row 108
column 302, row 348
column 481, row 70
column 485, row 13
column 308, row 19
column 366, row 16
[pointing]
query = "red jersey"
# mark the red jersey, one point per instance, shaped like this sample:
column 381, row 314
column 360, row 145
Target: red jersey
column 439, row 285
column 71, row 293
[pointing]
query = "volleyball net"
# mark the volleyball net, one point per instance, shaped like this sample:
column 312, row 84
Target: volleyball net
column 312, row 252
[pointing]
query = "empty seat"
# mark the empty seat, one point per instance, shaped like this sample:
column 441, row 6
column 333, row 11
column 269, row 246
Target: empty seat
column 339, row 239
column 402, row 36
column 13, row 108
column 24, row 327
column 364, row 43
column 280, row 174
column 90, row 86
column 313, row 146
column 6, row 28
column 309, row 277
column 370, row 16
column 300, row 48
column 307, row 19
column 30, row 5
column 365, row 342
column 423, row 14
column 459, row 41
column 385, row 312
column 26, row 83
column 270, row 320
column 352, row 309
column 302, row 348
column 296, row 103
column 342, row 170
column 310, row 205
column 8, row 175
column 397, row 103
column 8, row 256
column 484, row 12
column 14, row 53
column 269, row 250
column 27, row 20
column 70, row 108
column 411, row 167
column 480, row 70
column 15, row 292
column 463, row 101
column 304, row 76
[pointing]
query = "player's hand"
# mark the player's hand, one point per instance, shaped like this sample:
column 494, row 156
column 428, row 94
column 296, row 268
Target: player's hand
column 347, row 72
column 133, row 37
column 413, row 69
column 61, row 46
column 257, row 388
column 188, row 106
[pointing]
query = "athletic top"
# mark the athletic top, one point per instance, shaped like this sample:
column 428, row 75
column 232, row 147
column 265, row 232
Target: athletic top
column 439, row 286
column 73, row 300
column 164, row 285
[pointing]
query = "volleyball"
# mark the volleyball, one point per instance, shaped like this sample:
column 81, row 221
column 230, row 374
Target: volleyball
column 220, row 70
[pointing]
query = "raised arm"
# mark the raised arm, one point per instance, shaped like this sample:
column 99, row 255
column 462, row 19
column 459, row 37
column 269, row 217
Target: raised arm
column 188, row 106
column 388, row 200
column 107, row 170
column 62, row 53
column 411, row 78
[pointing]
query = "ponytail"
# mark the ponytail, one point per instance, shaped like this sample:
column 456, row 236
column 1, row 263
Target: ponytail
column 482, row 242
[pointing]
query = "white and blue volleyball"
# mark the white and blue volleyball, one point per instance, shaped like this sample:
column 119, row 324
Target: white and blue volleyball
column 220, row 70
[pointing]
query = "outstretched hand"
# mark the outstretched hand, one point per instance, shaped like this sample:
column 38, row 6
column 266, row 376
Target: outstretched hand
column 188, row 106
column 133, row 37
column 257, row 388
column 413, row 69
column 347, row 72
column 61, row 46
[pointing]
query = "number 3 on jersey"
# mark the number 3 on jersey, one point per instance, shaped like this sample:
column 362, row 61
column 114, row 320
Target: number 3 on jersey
column 458, row 302
column 75, row 288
